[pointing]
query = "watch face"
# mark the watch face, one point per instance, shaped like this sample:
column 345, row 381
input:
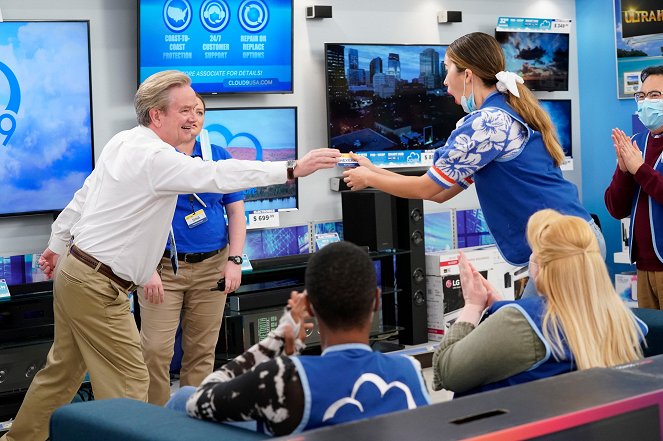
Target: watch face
column 236, row 259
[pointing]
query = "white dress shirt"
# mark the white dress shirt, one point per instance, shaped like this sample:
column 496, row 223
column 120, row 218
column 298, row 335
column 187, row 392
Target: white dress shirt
column 122, row 214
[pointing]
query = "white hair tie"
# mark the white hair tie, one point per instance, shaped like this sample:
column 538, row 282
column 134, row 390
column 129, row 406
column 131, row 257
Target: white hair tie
column 507, row 81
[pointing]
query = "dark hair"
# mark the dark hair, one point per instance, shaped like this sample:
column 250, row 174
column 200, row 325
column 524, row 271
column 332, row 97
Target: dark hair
column 483, row 55
column 651, row 70
column 341, row 284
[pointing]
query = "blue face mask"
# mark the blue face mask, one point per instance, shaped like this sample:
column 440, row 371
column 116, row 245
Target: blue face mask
column 468, row 104
column 650, row 113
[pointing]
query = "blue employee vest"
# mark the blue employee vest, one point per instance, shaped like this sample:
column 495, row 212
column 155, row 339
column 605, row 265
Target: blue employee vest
column 511, row 190
column 533, row 309
column 655, row 209
column 211, row 235
column 351, row 382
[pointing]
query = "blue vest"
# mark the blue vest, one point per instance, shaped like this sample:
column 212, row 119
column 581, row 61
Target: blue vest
column 655, row 209
column 511, row 190
column 351, row 382
column 533, row 309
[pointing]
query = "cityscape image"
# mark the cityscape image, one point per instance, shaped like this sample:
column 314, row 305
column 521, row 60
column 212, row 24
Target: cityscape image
column 388, row 101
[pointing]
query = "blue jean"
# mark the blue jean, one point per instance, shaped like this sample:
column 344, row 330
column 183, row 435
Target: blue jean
column 530, row 288
column 177, row 401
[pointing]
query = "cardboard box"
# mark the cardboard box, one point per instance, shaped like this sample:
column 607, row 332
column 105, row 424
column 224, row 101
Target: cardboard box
column 626, row 285
column 443, row 288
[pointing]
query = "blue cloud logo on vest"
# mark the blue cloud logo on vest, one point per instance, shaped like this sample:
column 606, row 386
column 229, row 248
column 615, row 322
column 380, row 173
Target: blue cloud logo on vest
column 8, row 117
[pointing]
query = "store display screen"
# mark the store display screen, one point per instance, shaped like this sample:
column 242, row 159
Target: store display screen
column 225, row 46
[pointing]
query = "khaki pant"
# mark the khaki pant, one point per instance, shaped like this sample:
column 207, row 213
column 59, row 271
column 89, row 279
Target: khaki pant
column 187, row 298
column 650, row 289
column 94, row 332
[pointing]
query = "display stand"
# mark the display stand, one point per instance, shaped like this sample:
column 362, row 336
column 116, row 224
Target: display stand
column 268, row 288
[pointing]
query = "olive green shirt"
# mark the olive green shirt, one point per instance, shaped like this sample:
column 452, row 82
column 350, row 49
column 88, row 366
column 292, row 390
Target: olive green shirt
column 501, row 346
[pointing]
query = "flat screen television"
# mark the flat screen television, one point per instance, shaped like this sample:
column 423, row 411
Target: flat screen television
column 225, row 46
column 263, row 134
column 438, row 231
column 541, row 58
column 388, row 102
column 472, row 229
column 560, row 113
column 46, row 149
column 276, row 242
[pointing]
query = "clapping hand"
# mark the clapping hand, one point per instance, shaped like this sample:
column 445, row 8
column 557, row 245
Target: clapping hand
column 629, row 156
column 478, row 293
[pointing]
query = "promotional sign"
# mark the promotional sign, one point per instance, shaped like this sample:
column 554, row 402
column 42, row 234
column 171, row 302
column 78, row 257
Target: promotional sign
column 225, row 46
column 639, row 38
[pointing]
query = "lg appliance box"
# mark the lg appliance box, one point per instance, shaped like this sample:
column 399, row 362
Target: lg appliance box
column 443, row 288
column 626, row 285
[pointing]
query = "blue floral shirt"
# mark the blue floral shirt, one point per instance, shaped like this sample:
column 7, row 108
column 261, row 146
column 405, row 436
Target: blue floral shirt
column 483, row 136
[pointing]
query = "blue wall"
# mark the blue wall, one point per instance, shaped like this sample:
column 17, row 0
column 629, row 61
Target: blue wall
column 600, row 111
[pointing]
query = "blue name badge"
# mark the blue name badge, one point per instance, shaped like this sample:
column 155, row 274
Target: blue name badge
column 4, row 291
column 195, row 219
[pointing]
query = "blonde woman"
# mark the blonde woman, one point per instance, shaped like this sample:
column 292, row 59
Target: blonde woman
column 577, row 322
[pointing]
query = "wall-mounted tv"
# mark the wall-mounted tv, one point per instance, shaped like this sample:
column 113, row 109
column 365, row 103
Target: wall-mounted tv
column 541, row 58
column 560, row 113
column 263, row 134
column 46, row 147
column 225, row 46
column 388, row 102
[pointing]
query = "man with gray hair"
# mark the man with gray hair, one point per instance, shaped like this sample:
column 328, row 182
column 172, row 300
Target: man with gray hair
column 112, row 235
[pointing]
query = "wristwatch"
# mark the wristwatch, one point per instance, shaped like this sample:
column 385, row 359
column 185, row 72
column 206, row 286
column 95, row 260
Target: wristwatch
column 236, row 259
column 291, row 164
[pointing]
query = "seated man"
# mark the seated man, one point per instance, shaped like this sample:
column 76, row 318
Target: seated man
column 347, row 382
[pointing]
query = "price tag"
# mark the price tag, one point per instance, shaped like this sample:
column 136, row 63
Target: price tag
column 264, row 219
column 427, row 158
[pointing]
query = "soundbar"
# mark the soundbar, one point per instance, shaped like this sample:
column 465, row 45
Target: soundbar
column 262, row 299
column 279, row 262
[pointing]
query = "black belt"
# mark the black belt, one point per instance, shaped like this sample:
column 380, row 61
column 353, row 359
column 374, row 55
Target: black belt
column 192, row 257
column 101, row 268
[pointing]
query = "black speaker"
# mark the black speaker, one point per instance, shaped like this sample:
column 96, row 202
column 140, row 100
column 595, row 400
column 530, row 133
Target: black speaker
column 20, row 362
column 368, row 219
column 412, row 313
column 318, row 11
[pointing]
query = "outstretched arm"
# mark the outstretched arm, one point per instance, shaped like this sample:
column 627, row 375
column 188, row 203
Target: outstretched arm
column 410, row 187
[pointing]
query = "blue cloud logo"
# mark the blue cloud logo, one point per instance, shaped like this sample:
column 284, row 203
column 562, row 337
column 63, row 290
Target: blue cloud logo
column 8, row 117
column 177, row 15
column 382, row 386
column 228, row 136
column 413, row 157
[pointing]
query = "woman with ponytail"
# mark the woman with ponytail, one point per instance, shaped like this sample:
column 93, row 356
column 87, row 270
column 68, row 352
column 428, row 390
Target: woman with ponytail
column 506, row 144
column 577, row 322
